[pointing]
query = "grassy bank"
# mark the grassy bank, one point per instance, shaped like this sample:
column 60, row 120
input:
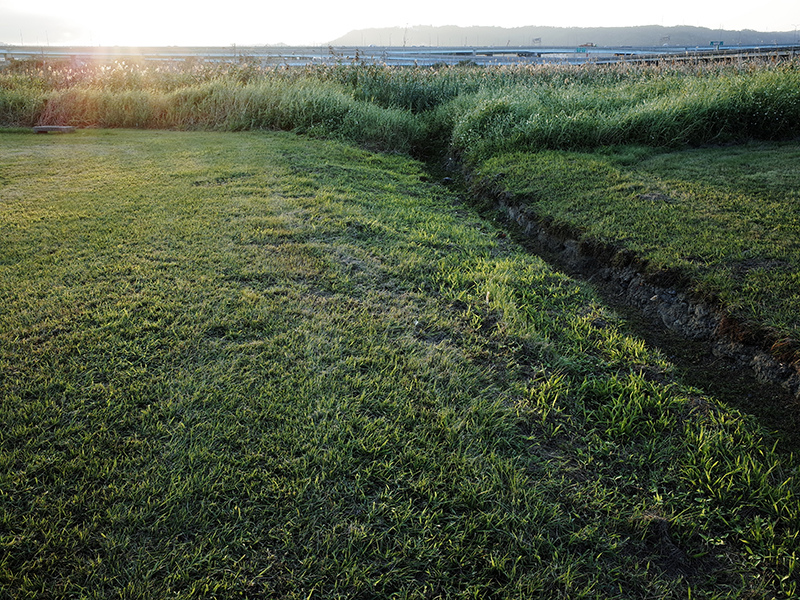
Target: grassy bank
column 728, row 218
column 261, row 365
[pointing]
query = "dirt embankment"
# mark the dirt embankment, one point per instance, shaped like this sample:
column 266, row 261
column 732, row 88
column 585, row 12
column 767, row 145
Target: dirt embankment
column 666, row 298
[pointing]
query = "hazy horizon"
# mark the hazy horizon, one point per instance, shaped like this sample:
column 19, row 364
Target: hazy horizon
column 151, row 23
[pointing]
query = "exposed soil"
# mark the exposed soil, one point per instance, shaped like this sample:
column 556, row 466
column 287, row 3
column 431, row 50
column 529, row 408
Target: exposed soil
column 744, row 366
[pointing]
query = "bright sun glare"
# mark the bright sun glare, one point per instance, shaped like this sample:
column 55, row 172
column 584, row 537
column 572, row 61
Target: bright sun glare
column 179, row 22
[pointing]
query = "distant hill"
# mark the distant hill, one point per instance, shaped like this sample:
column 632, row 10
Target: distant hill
column 648, row 35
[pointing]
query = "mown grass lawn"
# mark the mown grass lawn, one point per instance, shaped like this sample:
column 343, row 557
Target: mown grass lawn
column 242, row 365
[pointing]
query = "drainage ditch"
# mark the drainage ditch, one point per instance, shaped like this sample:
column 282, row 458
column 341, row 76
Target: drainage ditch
column 744, row 367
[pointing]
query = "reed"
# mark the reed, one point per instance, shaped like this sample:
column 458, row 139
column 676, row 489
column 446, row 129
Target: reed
column 672, row 111
column 474, row 112
column 321, row 108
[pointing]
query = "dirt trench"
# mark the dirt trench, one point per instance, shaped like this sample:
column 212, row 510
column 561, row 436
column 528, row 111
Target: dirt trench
column 745, row 367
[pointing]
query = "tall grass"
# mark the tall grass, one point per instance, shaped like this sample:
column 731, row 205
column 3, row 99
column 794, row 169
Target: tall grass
column 477, row 112
column 20, row 107
column 318, row 108
column 674, row 111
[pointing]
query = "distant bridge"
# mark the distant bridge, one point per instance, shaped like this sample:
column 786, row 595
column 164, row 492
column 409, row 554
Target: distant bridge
column 400, row 56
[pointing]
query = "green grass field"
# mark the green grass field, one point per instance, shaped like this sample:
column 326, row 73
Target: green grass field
column 726, row 217
column 600, row 147
column 259, row 365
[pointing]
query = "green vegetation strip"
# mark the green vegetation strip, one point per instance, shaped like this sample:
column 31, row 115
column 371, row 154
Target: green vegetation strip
column 736, row 236
column 727, row 217
column 257, row 365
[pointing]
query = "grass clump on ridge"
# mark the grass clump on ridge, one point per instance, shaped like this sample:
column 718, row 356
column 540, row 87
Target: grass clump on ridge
column 252, row 364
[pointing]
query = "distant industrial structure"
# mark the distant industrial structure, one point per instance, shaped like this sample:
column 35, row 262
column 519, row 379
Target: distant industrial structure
column 587, row 52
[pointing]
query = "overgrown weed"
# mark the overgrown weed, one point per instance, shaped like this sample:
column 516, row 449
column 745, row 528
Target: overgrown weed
column 476, row 112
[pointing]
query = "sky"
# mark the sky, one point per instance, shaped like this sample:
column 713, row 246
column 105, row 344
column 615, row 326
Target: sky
column 316, row 22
